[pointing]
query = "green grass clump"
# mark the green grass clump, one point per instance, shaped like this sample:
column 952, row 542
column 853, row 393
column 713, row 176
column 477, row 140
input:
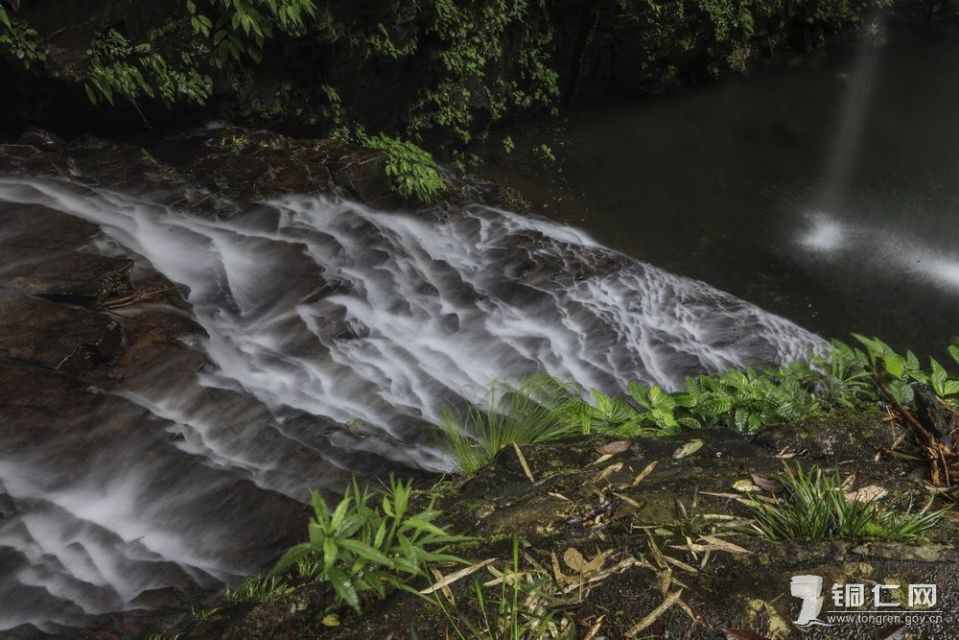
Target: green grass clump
column 815, row 507
column 367, row 547
column 258, row 589
column 540, row 409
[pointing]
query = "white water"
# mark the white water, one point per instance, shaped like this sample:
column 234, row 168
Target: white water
column 317, row 312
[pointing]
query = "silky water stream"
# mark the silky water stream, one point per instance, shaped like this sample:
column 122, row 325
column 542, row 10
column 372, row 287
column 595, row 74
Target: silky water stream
column 334, row 335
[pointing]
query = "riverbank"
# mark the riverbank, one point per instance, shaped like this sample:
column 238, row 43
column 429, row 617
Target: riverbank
column 633, row 521
column 644, row 538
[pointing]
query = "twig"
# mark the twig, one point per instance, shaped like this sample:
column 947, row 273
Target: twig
column 522, row 462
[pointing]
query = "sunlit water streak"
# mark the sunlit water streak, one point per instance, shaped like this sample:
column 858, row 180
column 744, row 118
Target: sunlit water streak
column 852, row 116
column 319, row 312
column 890, row 251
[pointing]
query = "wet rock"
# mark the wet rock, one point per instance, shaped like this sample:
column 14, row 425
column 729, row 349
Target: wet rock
column 7, row 507
column 57, row 336
column 43, row 139
column 163, row 598
column 832, row 440
column 44, row 256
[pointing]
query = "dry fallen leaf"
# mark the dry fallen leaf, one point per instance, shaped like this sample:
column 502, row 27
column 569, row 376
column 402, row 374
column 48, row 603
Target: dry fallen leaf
column 331, row 620
column 654, row 615
column 867, row 494
column 767, row 484
column 575, row 561
column 612, row 448
column 523, row 463
column 611, row 469
column 712, row 544
column 688, row 449
column 724, row 545
column 453, row 577
column 739, row 634
column 745, row 486
column 648, row 469
column 595, row 628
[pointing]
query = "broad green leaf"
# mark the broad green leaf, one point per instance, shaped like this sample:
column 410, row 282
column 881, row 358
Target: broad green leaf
column 366, row 552
column 340, row 512
column 344, row 588
column 330, row 553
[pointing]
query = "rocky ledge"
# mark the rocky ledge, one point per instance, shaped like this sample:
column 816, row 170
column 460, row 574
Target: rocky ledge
column 650, row 538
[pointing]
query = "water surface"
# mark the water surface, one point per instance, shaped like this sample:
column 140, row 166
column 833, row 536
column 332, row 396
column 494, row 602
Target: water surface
column 823, row 189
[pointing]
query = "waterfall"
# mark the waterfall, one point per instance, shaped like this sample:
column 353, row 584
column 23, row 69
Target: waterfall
column 334, row 335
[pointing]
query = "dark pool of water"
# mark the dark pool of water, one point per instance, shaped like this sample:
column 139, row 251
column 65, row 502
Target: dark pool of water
column 783, row 187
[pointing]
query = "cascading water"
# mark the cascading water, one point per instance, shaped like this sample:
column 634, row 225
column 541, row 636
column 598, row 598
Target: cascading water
column 334, row 335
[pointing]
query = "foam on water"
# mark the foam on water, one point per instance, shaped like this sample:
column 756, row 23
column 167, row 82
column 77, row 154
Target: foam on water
column 320, row 310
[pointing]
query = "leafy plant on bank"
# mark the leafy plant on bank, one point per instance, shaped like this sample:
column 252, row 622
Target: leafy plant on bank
column 116, row 68
column 411, row 169
column 898, row 375
column 815, row 507
column 369, row 545
column 544, row 408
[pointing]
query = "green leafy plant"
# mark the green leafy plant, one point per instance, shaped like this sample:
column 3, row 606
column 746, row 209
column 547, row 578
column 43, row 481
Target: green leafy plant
column 205, row 615
column 412, row 170
column 20, row 40
column 815, row 506
column 543, row 408
column 843, row 379
column 897, row 375
column 116, row 68
column 363, row 548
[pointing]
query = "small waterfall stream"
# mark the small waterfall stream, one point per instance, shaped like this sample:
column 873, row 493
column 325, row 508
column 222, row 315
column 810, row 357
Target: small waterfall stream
column 334, row 335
